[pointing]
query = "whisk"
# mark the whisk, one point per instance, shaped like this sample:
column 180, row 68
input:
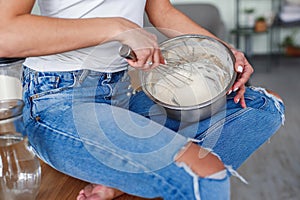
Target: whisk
column 175, row 71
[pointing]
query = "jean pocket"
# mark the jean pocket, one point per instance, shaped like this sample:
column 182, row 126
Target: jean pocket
column 253, row 99
column 52, row 84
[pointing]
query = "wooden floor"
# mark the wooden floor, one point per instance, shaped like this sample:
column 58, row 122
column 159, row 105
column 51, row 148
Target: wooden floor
column 58, row 186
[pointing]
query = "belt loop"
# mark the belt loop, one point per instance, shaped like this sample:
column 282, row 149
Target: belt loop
column 108, row 76
column 83, row 75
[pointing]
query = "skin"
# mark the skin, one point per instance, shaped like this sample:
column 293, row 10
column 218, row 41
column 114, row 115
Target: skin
column 23, row 34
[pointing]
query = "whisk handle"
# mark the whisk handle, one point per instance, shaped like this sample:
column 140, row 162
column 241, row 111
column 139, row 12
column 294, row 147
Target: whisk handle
column 125, row 51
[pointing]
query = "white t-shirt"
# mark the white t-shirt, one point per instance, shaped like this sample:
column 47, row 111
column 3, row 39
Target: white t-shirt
column 103, row 57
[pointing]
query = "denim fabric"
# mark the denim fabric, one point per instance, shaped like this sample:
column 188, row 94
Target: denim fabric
column 94, row 127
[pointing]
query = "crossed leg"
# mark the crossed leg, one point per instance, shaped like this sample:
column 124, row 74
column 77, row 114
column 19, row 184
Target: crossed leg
column 206, row 164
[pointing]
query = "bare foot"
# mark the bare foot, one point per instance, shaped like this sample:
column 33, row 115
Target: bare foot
column 98, row 192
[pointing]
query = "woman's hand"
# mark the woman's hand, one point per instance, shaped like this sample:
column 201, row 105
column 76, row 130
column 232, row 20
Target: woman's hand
column 143, row 43
column 244, row 70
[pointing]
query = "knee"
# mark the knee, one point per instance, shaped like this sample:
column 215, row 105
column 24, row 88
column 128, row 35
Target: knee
column 281, row 110
column 201, row 161
column 274, row 93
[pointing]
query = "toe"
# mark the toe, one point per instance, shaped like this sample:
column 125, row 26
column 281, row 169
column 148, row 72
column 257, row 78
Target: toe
column 98, row 192
column 81, row 197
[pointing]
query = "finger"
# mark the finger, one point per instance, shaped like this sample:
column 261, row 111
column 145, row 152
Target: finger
column 243, row 102
column 145, row 59
column 240, row 81
column 240, row 95
column 243, row 77
column 161, row 57
column 229, row 91
column 242, row 63
column 239, row 61
column 148, row 64
column 149, row 61
column 156, row 58
column 143, row 56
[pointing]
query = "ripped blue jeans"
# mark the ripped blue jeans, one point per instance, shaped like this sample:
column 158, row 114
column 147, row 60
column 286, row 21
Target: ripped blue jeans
column 94, row 127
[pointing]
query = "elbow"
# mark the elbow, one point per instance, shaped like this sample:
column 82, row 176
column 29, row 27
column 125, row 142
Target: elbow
column 8, row 46
column 4, row 52
column 10, row 40
column 5, row 46
column 2, row 44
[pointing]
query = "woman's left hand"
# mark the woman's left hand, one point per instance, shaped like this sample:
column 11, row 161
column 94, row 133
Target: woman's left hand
column 244, row 71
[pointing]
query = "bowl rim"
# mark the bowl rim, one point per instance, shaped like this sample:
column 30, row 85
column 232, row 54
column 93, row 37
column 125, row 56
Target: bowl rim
column 206, row 103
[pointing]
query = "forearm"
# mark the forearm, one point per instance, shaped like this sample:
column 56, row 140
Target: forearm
column 179, row 23
column 30, row 35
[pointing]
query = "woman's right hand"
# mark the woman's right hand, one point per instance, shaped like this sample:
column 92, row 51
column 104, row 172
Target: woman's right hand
column 143, row 43
column 57, row 35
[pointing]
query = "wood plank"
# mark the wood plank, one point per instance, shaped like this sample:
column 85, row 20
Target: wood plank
column 58, row 186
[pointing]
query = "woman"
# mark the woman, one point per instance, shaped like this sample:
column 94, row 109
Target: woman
column 81, row 120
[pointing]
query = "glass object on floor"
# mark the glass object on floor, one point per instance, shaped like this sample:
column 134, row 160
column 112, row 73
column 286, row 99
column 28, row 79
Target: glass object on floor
column 20, row 170
column 10, row 78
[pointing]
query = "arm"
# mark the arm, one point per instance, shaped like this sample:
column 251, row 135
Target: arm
column 23, row 34
column 163, row 15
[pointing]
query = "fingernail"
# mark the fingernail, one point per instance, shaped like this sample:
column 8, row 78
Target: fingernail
column 237, row 101
column 240, row 69
column 229, row 92
column 235, row 89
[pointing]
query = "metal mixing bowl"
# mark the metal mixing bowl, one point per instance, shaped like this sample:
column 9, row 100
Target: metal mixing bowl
column 192, row 51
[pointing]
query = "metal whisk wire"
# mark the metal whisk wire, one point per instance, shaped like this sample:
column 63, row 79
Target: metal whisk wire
column 174, row 70
column 174, row 75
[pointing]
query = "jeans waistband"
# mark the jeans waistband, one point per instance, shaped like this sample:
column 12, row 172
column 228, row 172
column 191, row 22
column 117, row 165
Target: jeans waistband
column 80, row 75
